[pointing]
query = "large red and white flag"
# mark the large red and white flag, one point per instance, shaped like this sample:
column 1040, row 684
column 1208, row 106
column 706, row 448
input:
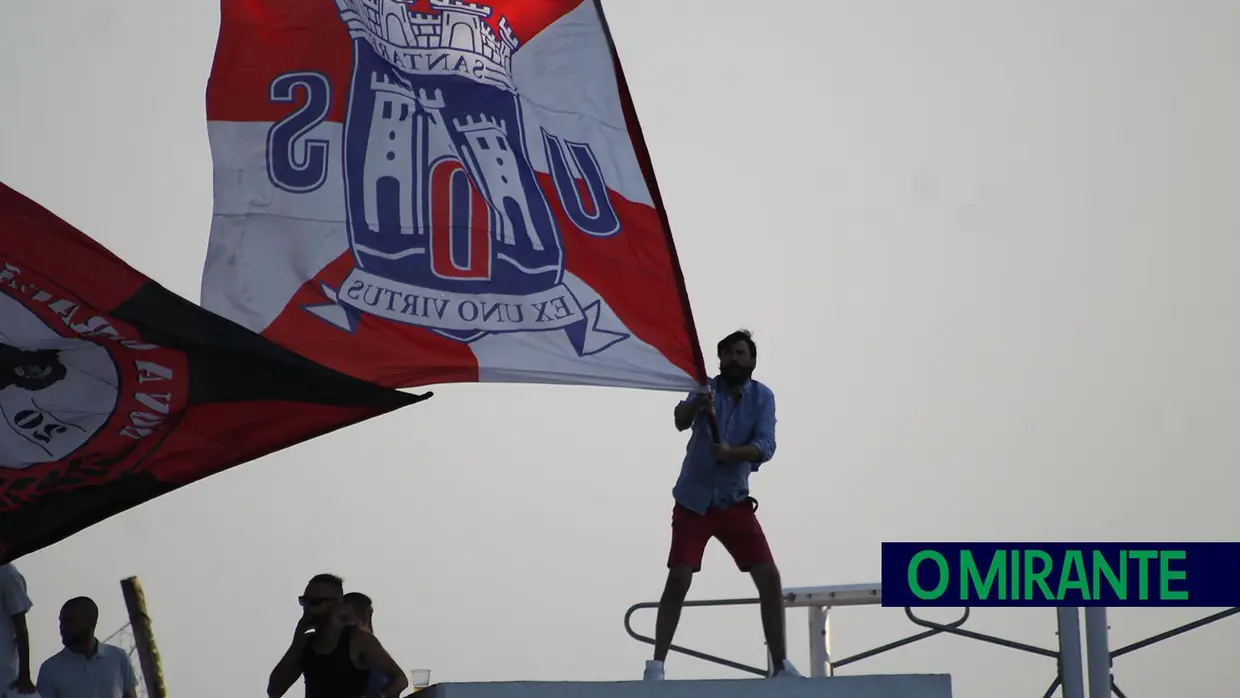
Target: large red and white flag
column 434, row 191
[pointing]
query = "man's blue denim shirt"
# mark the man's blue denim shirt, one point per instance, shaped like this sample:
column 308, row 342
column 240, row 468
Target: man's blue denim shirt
column 705, row 482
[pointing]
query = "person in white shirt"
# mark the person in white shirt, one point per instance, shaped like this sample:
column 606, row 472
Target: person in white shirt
column 86, row 667
column 14, row 637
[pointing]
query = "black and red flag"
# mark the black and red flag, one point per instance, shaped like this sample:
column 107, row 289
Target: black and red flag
column 114, row 390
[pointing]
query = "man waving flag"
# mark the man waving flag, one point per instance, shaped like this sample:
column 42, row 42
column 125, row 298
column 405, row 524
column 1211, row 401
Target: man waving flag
column 113, row 390
column 428, row 191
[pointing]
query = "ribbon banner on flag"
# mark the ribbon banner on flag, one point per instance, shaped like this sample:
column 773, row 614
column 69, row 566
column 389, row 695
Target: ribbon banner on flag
column 432, row 191
column 114, row 390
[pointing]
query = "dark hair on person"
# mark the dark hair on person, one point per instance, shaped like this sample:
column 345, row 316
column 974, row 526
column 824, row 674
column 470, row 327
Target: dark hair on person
column 85, row 603
column 329, row 580
column 358, row 600
column 738, row 336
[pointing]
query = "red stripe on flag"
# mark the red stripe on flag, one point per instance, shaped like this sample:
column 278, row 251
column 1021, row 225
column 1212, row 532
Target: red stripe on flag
column 634, row 272
column 379, row 351
column 97, row 273
column 643, row 158
column 209, row 438
column 260, row 40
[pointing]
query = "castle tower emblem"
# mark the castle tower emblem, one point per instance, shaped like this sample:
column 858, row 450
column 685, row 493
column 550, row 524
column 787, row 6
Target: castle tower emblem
column 448, row 225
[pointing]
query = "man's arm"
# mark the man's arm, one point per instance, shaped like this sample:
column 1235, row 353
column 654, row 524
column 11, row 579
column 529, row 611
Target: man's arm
column 15, row 603
column 21, row 635
column 762, row 448
column 375, row 657
column 129, row 679
column 288, row 669
column 689, row 408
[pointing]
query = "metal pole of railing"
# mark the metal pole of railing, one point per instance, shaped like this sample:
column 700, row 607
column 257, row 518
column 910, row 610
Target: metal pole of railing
column 819, row 652
column 1070, row 673
column 1098, row 652
column 826, row 640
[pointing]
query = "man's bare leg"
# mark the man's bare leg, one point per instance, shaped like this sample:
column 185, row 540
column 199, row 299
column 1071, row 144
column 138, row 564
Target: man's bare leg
column 770, row 600
column 679, row 578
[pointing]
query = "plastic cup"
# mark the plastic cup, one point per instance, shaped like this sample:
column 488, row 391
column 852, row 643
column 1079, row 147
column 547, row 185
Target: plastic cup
column 419, row 679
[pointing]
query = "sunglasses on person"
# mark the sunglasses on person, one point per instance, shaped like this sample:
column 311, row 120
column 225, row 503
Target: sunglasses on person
column 311, row 601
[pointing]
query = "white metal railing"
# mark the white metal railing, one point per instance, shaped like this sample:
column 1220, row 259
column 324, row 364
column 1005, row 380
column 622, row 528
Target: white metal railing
column 1069, row 673
column 817, row 600
column 820, row 601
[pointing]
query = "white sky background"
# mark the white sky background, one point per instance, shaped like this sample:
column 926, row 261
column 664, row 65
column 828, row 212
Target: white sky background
column 988, row 249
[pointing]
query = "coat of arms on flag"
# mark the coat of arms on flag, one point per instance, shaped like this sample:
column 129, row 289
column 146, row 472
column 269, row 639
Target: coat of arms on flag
column 441, row 190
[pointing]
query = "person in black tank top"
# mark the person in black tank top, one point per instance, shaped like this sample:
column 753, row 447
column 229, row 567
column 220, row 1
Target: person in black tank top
column 340, row 666
column 333, row 674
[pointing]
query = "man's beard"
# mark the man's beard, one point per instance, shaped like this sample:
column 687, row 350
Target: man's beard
column 79, row 639
column 735, row 374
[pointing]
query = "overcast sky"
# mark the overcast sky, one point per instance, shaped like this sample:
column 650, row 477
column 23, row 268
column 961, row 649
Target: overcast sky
column 988, row 250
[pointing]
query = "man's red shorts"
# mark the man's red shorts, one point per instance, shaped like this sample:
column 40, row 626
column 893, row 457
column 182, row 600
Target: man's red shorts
column 736, row 527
